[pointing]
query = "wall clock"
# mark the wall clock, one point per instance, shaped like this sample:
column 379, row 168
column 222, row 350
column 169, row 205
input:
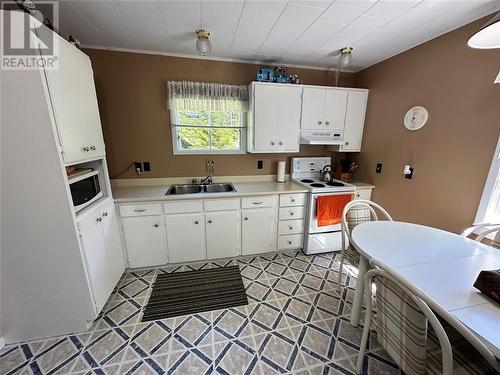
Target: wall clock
column 416, row 117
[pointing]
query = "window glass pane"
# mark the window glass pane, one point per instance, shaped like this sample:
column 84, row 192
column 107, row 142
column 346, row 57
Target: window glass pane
column 225, row 139
column 193, row 118
column 193, row 138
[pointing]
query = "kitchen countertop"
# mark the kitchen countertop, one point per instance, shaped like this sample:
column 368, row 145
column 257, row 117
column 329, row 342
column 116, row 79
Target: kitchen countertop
column 362, row 185
column 147, row 193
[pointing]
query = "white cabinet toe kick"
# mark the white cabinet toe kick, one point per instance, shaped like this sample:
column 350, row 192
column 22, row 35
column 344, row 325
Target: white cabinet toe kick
column 157, row 233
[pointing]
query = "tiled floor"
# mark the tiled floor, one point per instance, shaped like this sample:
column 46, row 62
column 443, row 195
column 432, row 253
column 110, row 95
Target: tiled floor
column 295, row 322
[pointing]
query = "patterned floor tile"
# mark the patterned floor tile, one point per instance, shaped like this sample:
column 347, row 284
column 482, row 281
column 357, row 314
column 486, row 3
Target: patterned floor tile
column 296, row 322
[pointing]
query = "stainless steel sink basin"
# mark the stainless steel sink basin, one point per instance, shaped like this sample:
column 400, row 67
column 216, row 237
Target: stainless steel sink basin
column 184, row 189
column 219, row 188
column 196, row 189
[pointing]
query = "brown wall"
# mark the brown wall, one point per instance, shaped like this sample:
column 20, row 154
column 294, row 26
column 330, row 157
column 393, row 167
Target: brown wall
column 136, row 124
column 451, row 155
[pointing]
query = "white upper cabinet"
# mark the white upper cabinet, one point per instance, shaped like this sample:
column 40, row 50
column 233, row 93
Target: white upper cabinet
column 323, row 108
column 274, row 118
column 74, row 103
column 354, row 120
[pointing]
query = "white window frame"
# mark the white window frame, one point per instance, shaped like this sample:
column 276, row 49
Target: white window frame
column 178, row 151
column 489, row 186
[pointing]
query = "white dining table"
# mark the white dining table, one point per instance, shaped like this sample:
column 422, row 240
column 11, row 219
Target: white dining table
column 441, row 264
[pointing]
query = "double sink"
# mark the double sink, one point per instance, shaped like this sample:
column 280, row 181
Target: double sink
column 197, row 188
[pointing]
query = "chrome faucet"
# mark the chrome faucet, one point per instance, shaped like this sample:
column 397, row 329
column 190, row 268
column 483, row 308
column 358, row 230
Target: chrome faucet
column 207, row 180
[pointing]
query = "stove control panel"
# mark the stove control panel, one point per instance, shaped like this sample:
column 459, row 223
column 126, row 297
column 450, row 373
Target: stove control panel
column 309, row 165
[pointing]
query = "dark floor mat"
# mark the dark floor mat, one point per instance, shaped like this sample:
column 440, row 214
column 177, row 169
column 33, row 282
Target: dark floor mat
column 191, row 292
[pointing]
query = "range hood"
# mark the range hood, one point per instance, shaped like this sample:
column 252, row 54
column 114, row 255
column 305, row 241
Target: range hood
column 317, row 137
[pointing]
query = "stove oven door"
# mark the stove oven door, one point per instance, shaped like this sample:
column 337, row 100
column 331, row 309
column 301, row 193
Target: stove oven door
column 313, row 220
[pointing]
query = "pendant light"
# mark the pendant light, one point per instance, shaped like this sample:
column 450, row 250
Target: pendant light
column 345, row 58
column 203, row 45
column 488, row 36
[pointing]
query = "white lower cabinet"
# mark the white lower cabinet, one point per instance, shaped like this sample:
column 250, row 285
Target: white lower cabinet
column 100, row 239
column 145, row 240
column 364, row 193
column 223, row 234
column 258, row 230
column 185, row 237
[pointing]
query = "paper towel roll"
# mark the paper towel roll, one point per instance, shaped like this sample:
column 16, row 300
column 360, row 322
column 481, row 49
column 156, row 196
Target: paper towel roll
column 280, row 176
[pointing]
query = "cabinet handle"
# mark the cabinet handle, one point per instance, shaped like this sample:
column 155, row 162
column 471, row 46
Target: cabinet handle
column 280, row 143
column 357, row 195
column 292, row 213
column 327, row 123
column 293, row 200
column 289, row 242
column 104, row 214
column 92, row 148
column 246, row 218
column 290, row 227
column 196, row 222
column 86, row 149
column 272, row 143
column 157, row 225
column 257, row 202
column 347, row 143
column 320, row 122
column 140, row 210
column 99, row 219
column 209, row 221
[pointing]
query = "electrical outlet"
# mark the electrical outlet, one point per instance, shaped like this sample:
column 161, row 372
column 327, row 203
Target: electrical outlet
column 260, row 164
column 379, row 168
column 147, row 166
column 138, row 166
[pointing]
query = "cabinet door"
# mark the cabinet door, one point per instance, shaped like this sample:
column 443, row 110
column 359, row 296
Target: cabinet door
column 355, row 120
column 223, row 234
column 258, row 231
column 313, row 108
column 74, row 102
column 185, row 237
column 289, row 107
column 96, row 258
column 113, row 242
column 364, row 193
column 335, row 108
column 265, row 117
column 145, row 241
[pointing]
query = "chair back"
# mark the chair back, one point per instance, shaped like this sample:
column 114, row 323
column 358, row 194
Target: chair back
column 480, row 231
column 360, row 211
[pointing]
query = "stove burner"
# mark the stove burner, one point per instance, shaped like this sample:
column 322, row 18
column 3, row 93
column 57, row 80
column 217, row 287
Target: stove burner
column 334, row 183
column 307, row 181
column 317, row 185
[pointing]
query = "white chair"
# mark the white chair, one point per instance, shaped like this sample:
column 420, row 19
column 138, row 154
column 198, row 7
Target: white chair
column 482, row 230
column 356, row 212
column 403, row 313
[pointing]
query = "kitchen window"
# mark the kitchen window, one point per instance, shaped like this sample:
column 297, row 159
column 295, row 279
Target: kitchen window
column 489, row 207
column 207, row 118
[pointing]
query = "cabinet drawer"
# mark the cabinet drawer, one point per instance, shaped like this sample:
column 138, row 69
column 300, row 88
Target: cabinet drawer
column 287, row 200
column 221, row 204
column 290, row 227
column 255, row 202
column 179, row 207
column 291, row 213
column 140, row 210
column 291, row 241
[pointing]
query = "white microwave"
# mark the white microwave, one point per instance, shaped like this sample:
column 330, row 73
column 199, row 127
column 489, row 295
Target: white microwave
column 85, row 190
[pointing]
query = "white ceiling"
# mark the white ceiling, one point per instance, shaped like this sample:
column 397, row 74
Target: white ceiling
column 293, row 32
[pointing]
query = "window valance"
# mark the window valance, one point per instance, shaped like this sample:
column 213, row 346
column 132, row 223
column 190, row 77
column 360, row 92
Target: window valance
column 203, row 96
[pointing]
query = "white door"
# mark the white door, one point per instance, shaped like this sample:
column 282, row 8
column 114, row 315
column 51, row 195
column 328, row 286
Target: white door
column 74, row 102
column 265, row 117
column 258, row 231
column 289, row 108
column 185, row 237
column 335, row 107
column 113, row 242
column 145, row 241
column 313, row 108
column 223, row 234
column 354, row 121
column 96, row 257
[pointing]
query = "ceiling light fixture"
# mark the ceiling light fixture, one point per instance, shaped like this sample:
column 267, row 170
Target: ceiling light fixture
column 345, row 58
column 202, row 43
column 488, row 36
